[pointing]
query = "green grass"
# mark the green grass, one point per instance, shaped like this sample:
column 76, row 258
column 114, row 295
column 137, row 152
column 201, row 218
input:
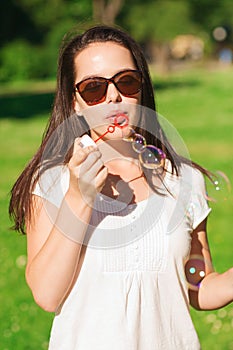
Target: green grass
column 198, row 104
column 23, row 325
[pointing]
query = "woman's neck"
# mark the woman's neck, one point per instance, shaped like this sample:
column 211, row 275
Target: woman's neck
column 120, row 158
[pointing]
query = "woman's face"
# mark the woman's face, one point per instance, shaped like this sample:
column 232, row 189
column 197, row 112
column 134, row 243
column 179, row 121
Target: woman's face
column 104, row 60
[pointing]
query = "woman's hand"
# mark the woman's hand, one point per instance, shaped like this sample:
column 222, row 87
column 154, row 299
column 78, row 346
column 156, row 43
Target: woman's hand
column 87, row 171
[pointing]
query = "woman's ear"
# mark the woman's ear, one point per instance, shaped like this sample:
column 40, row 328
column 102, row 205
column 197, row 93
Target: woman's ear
column 75, row 105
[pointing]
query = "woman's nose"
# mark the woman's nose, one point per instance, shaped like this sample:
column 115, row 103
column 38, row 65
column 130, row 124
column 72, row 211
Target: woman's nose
column 113, row 95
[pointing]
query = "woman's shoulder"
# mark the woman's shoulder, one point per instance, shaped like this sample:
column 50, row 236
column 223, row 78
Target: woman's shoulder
column 192, row 174
column 189, row 180
column 52, row 176
column 52, row 184
column 194, row 184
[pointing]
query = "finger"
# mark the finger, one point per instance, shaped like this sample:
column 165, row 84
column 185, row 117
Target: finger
column 77, row 145
column 101, row 178
column 90, row 173
column 80, row 154
column 92, row 158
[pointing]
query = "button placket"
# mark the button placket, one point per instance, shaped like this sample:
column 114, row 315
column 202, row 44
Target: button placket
column 135, row 250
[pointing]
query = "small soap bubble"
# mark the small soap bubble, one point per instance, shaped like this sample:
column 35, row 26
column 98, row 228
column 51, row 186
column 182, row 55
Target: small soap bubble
column 129, row 136
column 218, row 190
column 138, row 143
column 195, row 271
column 151, row 157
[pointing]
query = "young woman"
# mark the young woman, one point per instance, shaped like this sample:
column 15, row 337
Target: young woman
column 117, row 247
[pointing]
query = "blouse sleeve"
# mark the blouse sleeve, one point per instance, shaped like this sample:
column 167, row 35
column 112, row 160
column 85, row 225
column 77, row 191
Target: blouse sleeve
column 198, row 207
column 53, row 185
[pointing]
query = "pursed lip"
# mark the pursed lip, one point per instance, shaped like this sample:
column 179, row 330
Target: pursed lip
column 118, row 118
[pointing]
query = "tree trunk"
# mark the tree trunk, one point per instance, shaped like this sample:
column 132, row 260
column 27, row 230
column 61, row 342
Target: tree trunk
column 106, row 11
column 160, row 56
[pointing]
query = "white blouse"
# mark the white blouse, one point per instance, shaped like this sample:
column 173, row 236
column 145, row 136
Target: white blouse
column 131, row 293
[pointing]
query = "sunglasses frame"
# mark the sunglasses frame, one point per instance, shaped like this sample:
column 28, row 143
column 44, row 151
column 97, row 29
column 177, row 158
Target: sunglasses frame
column 107, row 81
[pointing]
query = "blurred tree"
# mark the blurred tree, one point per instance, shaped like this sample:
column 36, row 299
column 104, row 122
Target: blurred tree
column 106, row 11
column 55, row 15
column 38, row 26
column 158, row 20
column 156, row 23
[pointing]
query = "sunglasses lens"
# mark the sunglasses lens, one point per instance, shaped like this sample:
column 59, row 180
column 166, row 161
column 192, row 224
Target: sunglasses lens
column 129, row 83
column 93, row 90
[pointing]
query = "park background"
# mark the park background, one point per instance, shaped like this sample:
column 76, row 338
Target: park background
column 189, row 47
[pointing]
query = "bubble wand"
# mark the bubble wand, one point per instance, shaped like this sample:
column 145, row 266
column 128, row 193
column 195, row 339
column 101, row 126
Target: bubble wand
column 150, row 157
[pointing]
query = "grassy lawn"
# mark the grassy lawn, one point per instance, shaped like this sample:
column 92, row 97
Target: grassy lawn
column 198, row 104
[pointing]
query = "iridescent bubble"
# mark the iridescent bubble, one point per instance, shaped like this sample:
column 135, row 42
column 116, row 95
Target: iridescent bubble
column 130, row 135
column 138, row 143
column 219, row 188
column 151, row 157
column 195, row 271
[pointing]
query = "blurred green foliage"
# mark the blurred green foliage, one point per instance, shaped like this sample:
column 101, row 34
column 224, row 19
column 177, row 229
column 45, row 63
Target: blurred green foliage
column 30, row 50
column 22, row 61
column 31, row 30
column 161, row 22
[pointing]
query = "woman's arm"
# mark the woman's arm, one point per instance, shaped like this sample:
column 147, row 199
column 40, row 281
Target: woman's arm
column 214, row 290
column 54, row 236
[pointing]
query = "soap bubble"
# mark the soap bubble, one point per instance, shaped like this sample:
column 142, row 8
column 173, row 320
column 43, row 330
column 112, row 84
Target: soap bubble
column 218, row 190
column 151, row 157
column 195, row 271
column 138, row 143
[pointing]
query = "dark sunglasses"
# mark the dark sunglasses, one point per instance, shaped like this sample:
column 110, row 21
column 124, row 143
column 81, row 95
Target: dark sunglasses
column 93, row 90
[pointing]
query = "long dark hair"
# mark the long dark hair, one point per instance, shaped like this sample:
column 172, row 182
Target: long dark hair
column 20, row 203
